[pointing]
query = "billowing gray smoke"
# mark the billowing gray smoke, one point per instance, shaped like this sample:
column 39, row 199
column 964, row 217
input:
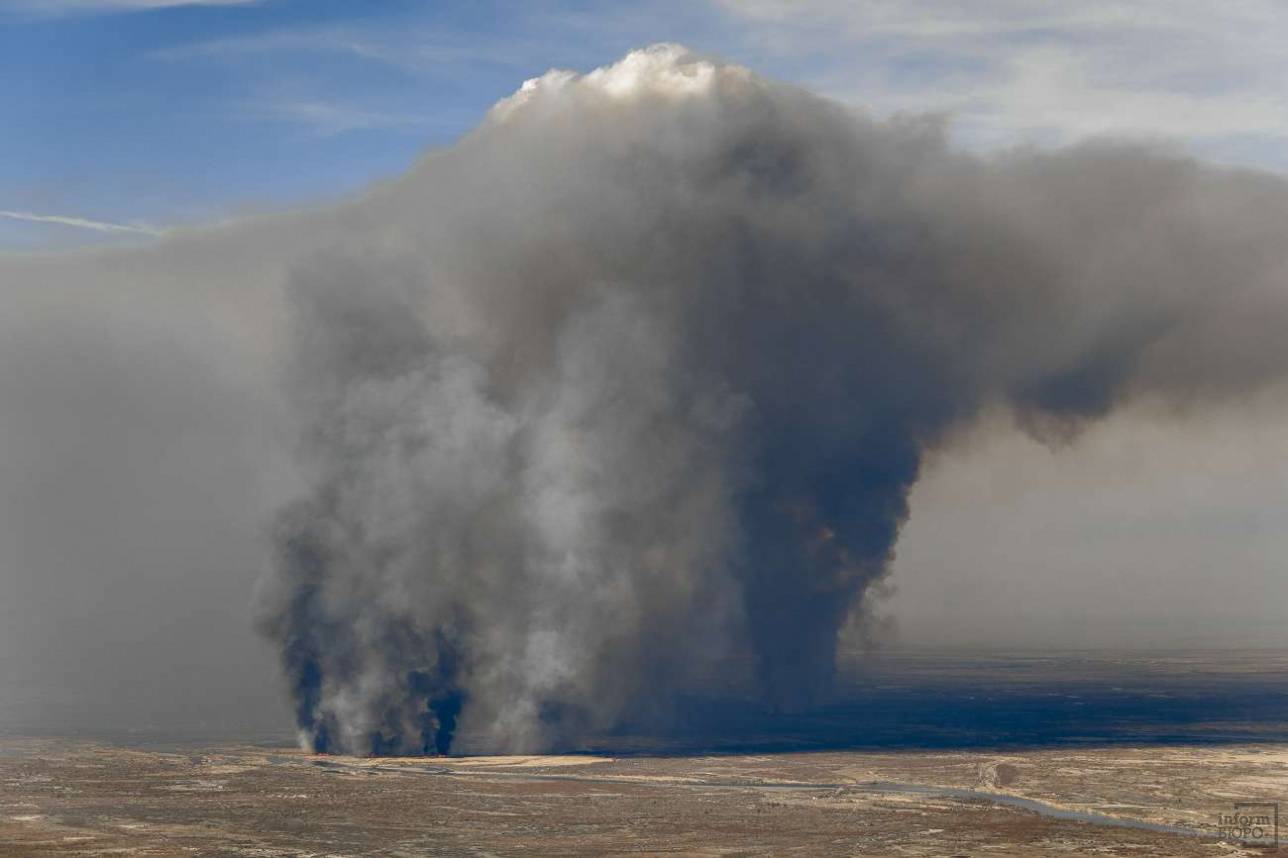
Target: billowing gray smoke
column 619, row 400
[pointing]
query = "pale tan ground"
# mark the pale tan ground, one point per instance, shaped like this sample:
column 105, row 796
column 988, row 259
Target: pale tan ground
column 82, row 799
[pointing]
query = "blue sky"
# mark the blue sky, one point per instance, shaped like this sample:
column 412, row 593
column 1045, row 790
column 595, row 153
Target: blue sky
column 125, row 117
column 191, row 112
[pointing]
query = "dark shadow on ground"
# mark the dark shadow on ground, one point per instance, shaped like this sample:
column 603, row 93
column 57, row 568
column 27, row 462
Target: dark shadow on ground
column 936, row 700
column 914, row 701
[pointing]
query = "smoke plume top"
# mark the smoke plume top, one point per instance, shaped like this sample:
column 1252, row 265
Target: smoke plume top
column 618, row 401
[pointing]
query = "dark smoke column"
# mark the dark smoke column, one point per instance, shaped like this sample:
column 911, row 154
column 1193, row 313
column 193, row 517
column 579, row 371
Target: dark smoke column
column 619, row 400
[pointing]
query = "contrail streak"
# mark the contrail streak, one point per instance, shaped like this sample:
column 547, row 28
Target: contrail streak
column 82, row 223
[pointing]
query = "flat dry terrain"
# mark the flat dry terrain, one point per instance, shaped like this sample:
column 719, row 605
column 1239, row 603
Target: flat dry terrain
column 79, row 798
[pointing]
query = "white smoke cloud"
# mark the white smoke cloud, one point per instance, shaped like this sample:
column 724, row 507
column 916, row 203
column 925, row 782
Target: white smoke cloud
column 692, row 331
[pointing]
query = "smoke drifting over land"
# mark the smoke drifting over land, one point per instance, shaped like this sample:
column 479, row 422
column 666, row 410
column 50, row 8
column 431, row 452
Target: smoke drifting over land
column 620, row 399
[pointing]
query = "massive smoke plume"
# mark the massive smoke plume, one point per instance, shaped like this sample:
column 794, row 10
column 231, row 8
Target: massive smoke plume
column 619, row 400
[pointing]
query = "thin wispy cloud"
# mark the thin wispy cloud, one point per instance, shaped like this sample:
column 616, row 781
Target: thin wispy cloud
column 275, row 42
column 328, row 119
column 411, row 51
column 82, row 223
column 1048, row 72
column 64, row 7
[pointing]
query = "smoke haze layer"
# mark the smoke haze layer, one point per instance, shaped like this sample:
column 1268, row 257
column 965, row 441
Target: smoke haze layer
column 615, row 404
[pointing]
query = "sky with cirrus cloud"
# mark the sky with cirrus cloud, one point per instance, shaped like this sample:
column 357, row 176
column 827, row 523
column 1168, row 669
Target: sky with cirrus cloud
column 170, row 112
